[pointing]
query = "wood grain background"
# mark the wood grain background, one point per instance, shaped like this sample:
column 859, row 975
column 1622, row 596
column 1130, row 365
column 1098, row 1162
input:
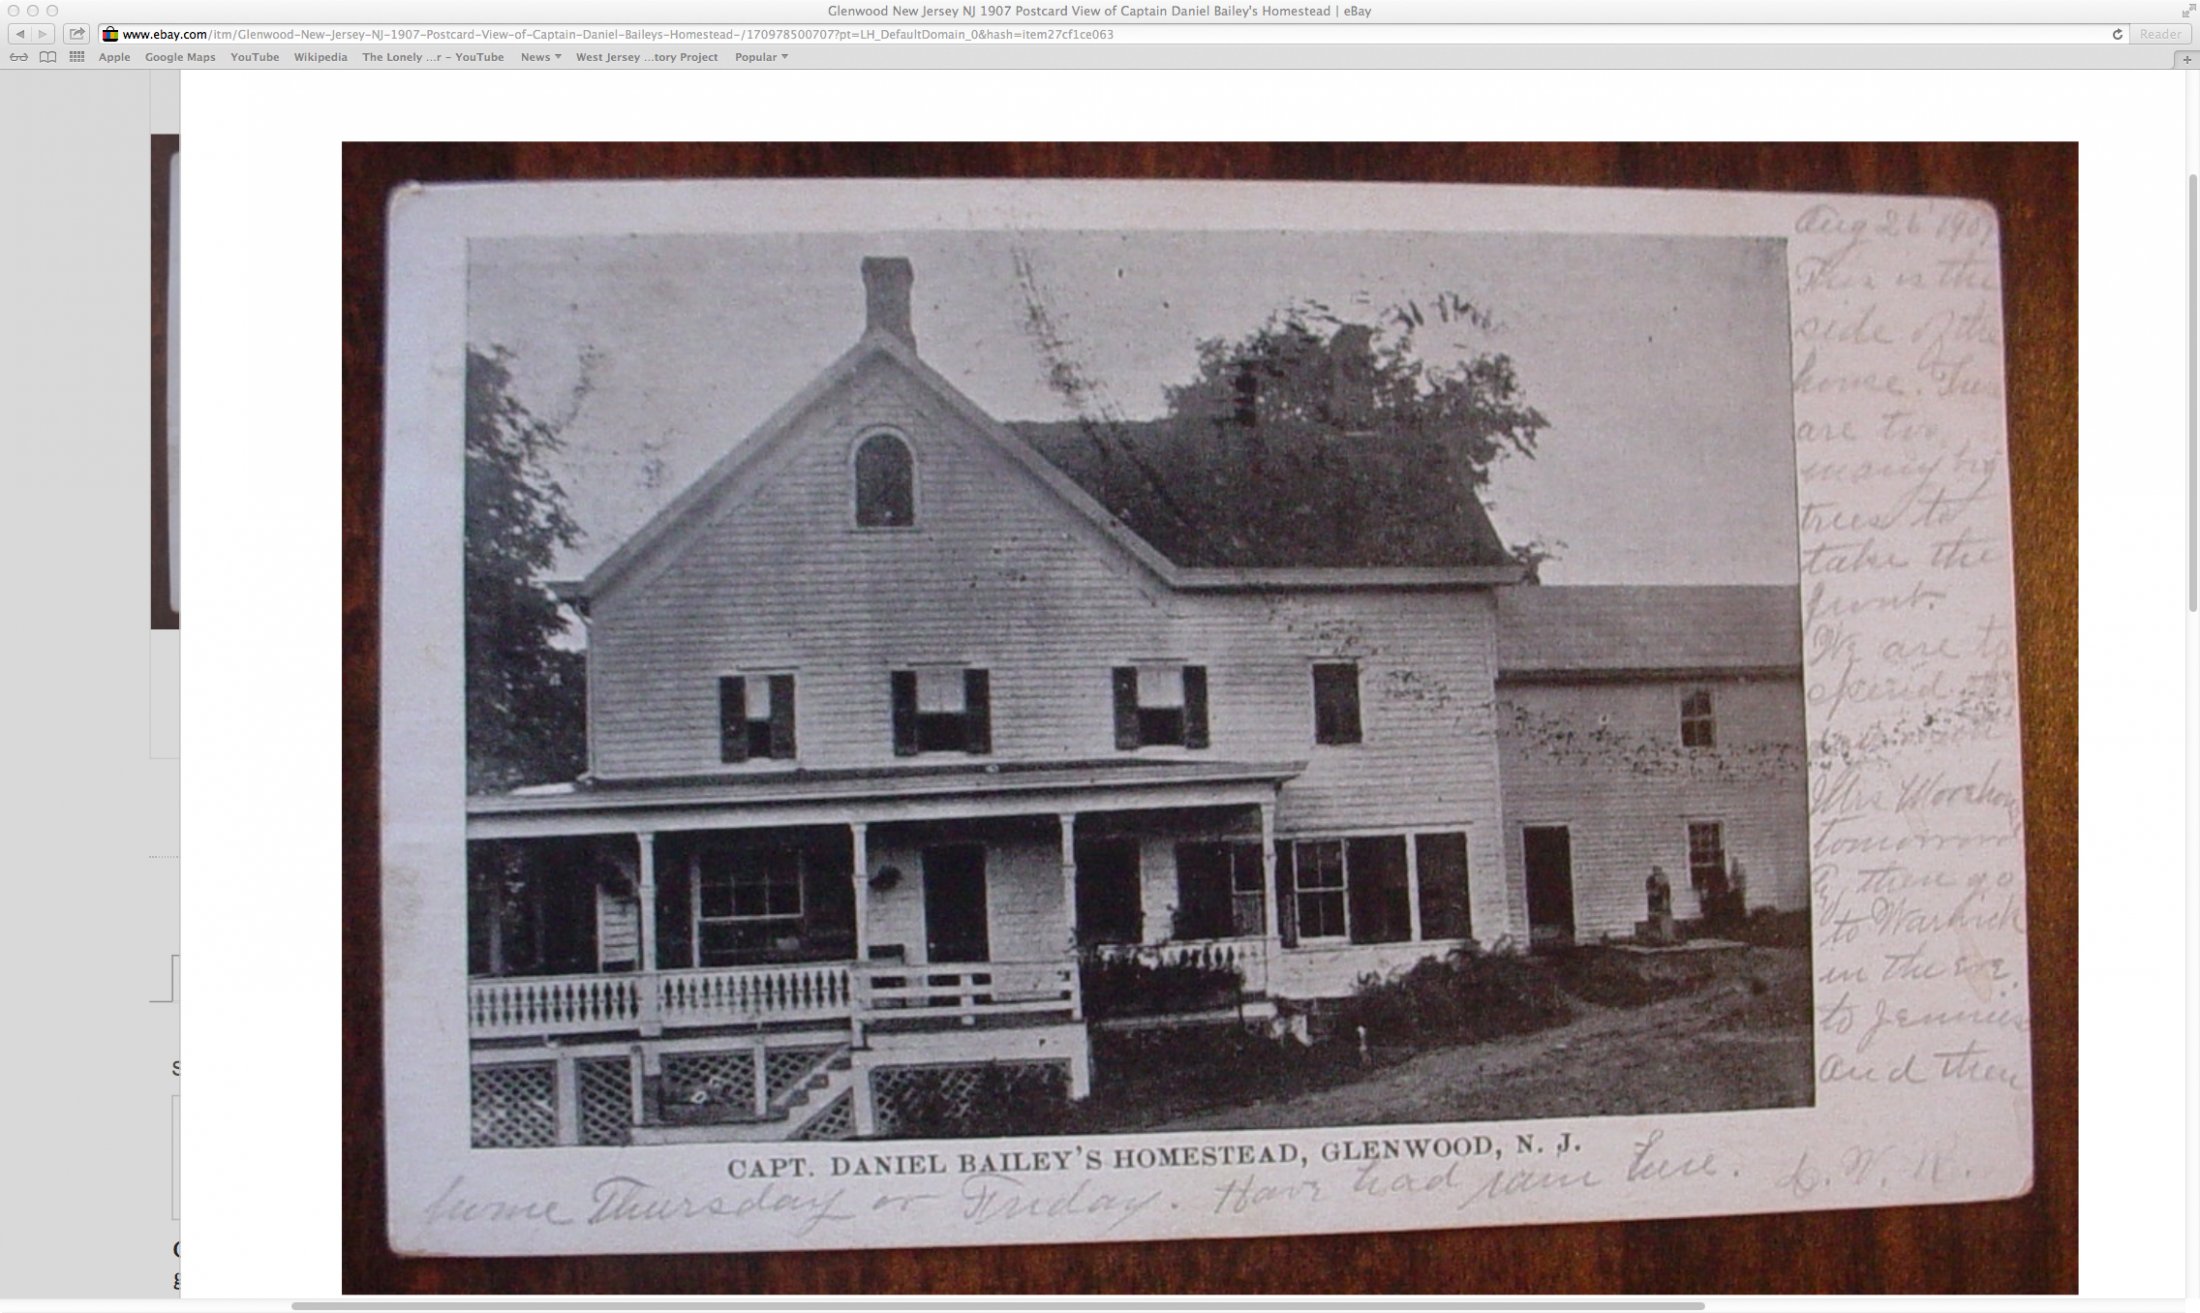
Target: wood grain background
column 2021, row 1245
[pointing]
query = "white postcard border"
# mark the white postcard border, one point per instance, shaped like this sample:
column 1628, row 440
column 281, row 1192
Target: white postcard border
column 1911, row 714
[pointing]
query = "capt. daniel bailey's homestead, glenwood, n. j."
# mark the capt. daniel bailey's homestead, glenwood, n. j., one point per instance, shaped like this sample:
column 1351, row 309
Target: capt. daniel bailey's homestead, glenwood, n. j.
column 900, row 715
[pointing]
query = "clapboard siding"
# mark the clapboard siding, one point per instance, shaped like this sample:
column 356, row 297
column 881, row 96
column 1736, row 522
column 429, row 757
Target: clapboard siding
column 1026, row 919
column 1605, row 760
column 1000, row 573
column 618, row 930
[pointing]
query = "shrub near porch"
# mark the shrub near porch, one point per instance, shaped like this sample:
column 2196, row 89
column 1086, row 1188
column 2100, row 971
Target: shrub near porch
column 1144, row 1077
column 1462, row 998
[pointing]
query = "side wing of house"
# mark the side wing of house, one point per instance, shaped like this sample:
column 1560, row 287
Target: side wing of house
column 1649, row 727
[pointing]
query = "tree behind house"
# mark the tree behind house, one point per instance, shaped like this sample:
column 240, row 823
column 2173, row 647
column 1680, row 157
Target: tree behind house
column 525, row 698
column 1309, row 371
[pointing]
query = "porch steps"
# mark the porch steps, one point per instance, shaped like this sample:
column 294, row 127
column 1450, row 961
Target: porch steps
column 812, row 1097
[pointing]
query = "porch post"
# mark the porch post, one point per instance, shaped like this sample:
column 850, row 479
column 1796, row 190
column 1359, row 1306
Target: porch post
column 566, row 1098
column 858, row 981
column 496, row 924
column 645, row 888
column 1069, row 876
column 860, row 835
column 758, row 1070
column 1273, row 930
column 1413, row 885
column 866, row 1103
column 1069, row 908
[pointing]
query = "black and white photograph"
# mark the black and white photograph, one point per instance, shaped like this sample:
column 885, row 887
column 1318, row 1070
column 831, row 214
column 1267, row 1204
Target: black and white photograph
column 1005, row 684
column 1230, row 687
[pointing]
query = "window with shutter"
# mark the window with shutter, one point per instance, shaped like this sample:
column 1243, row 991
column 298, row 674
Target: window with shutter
column 1160, row 704
column 755, row 718
column 942, row 709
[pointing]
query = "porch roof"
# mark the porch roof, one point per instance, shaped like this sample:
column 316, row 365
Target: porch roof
column 883, row 794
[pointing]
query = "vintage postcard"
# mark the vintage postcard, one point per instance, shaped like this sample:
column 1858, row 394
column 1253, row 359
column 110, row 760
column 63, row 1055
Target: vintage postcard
column 976, row 712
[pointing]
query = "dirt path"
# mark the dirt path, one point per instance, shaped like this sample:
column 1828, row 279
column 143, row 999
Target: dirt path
column 1724, row 1048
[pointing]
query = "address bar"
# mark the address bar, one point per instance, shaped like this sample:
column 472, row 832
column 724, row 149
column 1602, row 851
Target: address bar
column 1135, row 31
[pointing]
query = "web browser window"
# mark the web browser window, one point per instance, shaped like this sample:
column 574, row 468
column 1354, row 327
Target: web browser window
column 974, row 636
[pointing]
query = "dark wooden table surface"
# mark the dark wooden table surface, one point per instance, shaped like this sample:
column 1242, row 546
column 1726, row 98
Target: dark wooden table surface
column 2025, row 1244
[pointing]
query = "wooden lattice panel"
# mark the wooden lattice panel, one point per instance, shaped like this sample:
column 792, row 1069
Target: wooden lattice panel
column 725, row 1076
column 515, row 1105
column 837, row 1122
column 784, row 1069
column 965, row 1099
column 606, row 1087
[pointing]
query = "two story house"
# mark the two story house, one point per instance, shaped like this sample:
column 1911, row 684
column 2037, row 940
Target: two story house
column 900, row 712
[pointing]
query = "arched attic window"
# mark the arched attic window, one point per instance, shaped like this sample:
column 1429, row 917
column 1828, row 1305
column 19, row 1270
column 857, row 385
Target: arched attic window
column 886, row 483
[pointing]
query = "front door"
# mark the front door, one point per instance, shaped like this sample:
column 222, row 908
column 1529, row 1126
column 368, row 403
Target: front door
column 1547, row 851
column 1108, row 910
column 1202, row 891
column 954, row 903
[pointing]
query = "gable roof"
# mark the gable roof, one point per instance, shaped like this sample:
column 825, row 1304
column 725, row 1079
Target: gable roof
column 700, row 499
column 1219, row 495
column 1231, row 554
column 1587, row 630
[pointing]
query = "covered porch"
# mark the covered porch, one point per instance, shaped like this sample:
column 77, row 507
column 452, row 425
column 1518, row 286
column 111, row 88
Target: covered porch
column 893, row 900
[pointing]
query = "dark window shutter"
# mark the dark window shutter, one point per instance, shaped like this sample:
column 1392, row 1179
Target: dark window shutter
column 977, row 711
column 1442, row 859
column 1126, row 707
column 1195, row 706
column 1287, row 896
column 905, row 713
column 782, row 716
column 733, row 718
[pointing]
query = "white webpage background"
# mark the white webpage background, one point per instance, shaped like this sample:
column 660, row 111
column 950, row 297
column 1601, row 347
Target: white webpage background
column 261, row 801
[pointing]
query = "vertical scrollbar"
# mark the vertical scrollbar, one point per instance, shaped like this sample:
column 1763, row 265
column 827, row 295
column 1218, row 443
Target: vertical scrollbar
column 2192, row 392
column 175, row 1157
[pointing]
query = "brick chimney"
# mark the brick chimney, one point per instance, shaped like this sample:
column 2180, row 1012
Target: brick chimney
column 886, row 281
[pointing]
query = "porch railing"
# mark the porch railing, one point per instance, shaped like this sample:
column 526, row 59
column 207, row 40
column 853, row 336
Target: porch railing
column 1247, row 955
column 553, row 1005
column 754, row 995
column 810, row 991
column 969, row 990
